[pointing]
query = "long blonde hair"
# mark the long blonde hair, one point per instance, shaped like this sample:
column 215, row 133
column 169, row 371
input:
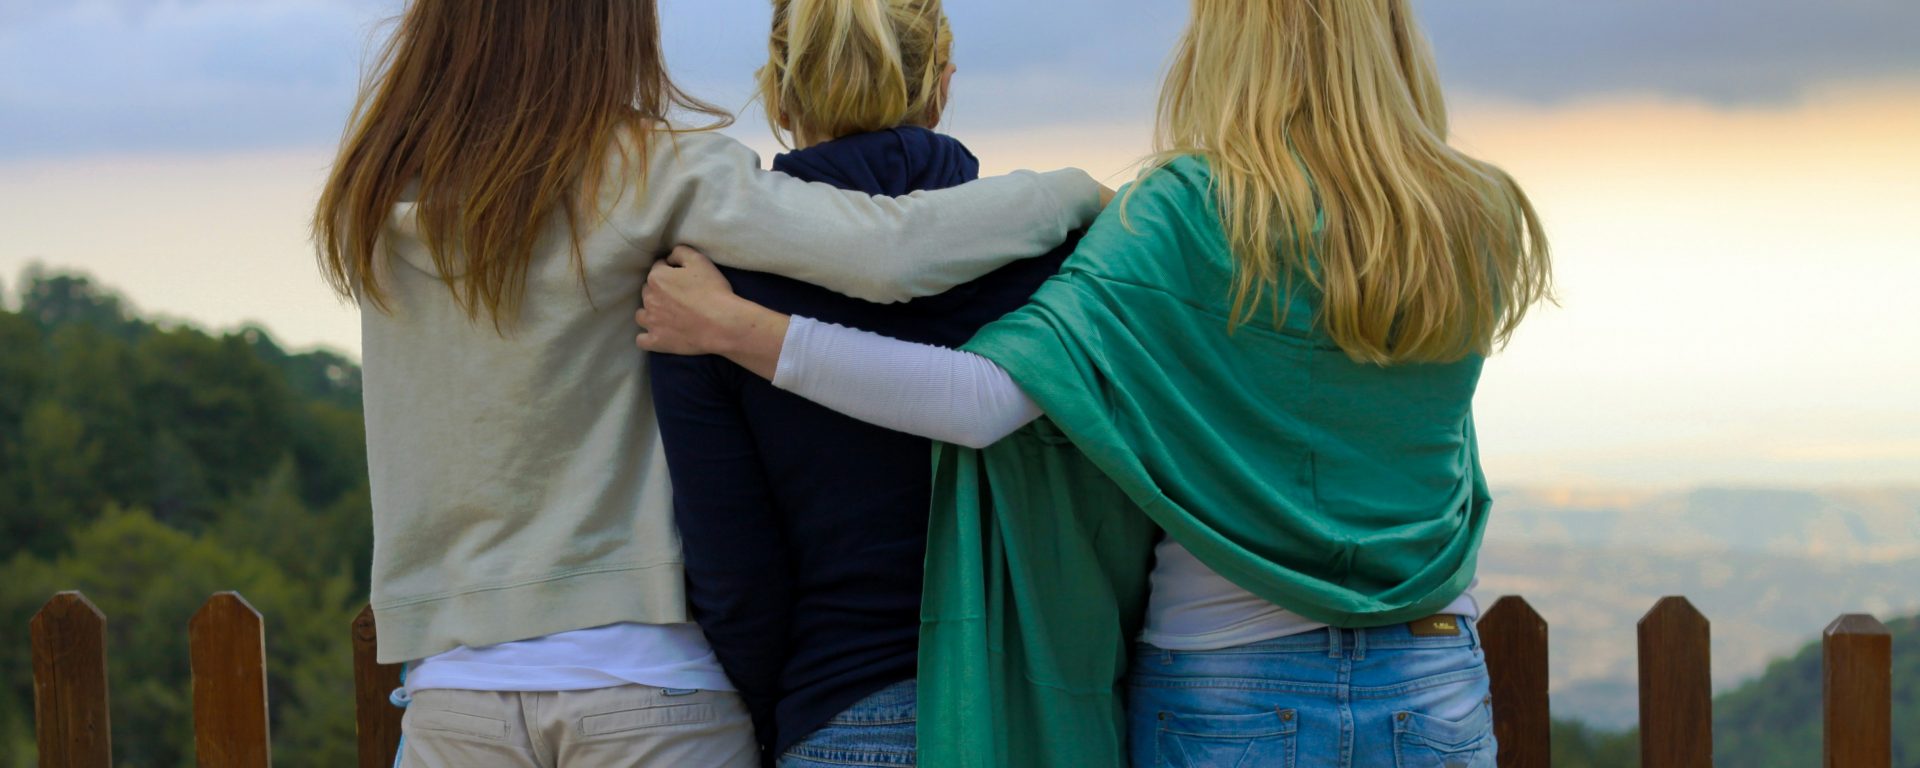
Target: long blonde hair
column 504, row 113
column 1326, row 132
column 840, row 67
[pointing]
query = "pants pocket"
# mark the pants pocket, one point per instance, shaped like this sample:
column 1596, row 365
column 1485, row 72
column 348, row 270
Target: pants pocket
column 1425, row 741
column 622, row 721
column 1260, row 739
column 464, row 713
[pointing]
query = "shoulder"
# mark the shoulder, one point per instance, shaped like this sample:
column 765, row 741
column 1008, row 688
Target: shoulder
column 1184, row 183
column 1170, row 209
column 928, row 137
column 656, row 163
column 696, row 153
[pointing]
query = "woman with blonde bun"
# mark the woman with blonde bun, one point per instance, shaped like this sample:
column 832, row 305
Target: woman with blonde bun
column 1214, row 498
column 805, row 530
column 509, row 175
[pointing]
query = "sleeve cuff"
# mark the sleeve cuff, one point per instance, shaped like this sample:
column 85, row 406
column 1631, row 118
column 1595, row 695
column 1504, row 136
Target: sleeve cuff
column 1076, row 195
column 787, row 372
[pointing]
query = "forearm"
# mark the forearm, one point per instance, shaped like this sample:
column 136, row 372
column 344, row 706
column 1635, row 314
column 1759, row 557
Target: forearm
column 934, row 392
column 880, row 248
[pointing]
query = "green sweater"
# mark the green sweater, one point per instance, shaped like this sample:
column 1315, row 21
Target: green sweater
column 1348, row 493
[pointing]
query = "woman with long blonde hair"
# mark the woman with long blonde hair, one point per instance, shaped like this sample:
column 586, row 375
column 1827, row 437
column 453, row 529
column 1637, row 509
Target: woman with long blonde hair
column 1215, row 498
column 509, row 175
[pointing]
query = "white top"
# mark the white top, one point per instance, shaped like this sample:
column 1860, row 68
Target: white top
column 963, row 398
column 660, row 655
column 1192, row 608
column 519, row 485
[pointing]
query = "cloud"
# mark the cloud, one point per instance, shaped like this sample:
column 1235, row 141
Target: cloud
column 125, row 76
column 132, row 77
column 1720, row 51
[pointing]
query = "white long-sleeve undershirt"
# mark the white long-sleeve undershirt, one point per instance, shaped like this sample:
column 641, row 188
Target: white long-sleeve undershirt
column 933, row 392
column 965, row 399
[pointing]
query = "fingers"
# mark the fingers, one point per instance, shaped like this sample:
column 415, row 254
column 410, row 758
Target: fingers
column 660, row 267
column 691, row 258
column 684, row 255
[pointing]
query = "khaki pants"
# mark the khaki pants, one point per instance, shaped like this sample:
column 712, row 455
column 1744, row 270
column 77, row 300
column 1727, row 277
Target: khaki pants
column 633, row 726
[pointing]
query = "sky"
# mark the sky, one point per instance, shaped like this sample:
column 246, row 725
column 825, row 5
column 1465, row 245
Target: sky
column 1730, row 185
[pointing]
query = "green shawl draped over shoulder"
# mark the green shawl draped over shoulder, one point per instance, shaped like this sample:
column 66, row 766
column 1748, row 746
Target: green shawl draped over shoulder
column 1348, row 493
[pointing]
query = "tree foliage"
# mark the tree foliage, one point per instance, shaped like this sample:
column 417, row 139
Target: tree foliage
column 152, row 466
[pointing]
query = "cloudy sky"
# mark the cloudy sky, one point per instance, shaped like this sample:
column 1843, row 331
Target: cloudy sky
column 1732, row 186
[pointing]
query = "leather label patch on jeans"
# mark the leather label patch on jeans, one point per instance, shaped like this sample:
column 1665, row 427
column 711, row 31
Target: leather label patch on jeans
column 1435, row 626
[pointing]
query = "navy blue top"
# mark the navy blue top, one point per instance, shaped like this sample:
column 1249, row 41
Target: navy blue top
column 805, row 530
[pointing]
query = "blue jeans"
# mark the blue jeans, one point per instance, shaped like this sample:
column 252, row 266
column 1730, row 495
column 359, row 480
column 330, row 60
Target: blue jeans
column 1330, row 698
column 877, row 731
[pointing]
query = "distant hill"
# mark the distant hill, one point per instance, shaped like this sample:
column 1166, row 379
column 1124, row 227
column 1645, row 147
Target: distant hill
column 1852, row 525
column 1775, row 721
column 1772, row 722
column 1762, row 607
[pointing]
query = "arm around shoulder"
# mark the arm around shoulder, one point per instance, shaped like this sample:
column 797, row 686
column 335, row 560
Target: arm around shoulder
column 713, row 195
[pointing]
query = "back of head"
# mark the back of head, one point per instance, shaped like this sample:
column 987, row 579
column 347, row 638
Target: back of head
column 504, row 113
column 1326, row 131
column 840, row 67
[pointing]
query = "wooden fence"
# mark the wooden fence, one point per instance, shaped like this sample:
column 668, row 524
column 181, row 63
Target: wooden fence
column 228, row 652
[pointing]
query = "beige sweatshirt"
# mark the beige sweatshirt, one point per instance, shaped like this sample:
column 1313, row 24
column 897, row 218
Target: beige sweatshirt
column 519, row 486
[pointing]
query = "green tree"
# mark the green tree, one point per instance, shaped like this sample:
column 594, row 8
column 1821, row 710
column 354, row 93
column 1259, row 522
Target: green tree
column 60, row 299
column 149, row 579
column 89, row 374
column 1577, row 745
column 232, row 411
column 244, row 466
column 59, row 464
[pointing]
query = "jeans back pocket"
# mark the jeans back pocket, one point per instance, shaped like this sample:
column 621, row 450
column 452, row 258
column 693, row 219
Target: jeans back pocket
column 1424, row 741
column 1258, row 740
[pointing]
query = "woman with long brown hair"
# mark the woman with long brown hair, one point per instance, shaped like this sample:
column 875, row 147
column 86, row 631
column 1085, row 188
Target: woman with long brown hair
column 1245, row 531
column 508, row 176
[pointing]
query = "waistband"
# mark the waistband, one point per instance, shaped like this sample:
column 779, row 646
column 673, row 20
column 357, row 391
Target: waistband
column 1439, row 631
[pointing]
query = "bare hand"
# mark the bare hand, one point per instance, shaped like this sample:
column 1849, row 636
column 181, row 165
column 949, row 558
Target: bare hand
column 688, row 306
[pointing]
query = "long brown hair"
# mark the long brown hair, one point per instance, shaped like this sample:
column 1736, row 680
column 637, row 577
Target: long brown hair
column 504, row 112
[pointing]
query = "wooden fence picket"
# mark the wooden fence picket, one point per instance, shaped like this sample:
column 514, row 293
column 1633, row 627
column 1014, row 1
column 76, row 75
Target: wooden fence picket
column 227, row 644
column 377, row 718
column 1676, row 687
column 1515, row 639
column 228, row 648
column 69, row 638
column 1857, row 653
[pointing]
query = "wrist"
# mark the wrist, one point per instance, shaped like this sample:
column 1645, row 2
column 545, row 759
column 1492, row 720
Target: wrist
column 752, row 337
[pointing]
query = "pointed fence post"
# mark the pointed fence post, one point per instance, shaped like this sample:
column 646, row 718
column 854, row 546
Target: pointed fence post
column 1515, row 638
column 378, row 719
column 229, row 656
column 1858, row 688
column 1676, row 687
column 69, row 638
